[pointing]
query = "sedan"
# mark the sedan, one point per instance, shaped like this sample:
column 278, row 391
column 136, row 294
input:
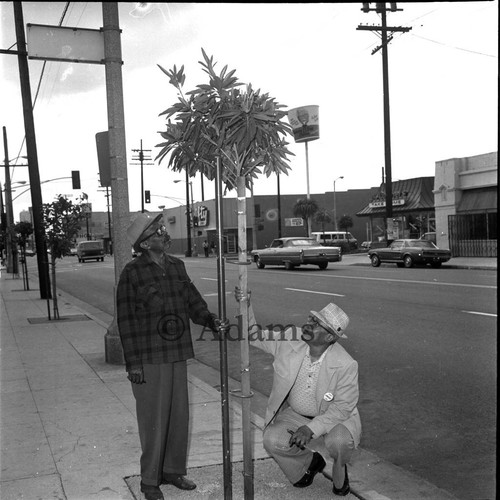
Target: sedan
column 296, row 251
column 407, row 253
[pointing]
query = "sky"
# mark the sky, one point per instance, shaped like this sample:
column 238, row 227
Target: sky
column 443, row 87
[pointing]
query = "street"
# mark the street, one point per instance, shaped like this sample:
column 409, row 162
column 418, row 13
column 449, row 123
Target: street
column 425, row 341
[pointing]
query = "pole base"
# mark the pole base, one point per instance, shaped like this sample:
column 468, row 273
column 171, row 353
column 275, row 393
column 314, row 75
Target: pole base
column 112, row 346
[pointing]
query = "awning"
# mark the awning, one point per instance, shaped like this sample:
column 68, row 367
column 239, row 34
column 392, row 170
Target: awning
column 409, row 195
column 478, row 200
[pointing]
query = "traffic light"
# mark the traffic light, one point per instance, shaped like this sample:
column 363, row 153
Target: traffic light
column 75, row 177
column 147, row 196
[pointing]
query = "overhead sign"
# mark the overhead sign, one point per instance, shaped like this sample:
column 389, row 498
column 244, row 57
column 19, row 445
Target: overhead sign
column 63, row 43
column 305, row 123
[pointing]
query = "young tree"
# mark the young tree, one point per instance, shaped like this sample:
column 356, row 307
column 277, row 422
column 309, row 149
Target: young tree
column 305, row 208
column 345, row 222
column 61, row 220
column 245, row 131
column 322, row 217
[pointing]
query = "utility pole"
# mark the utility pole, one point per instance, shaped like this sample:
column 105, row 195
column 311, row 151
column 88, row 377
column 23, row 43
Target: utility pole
column 381, row 9
column 141, row 158
column 10, row 240
column 118, row 162
column 34, row 174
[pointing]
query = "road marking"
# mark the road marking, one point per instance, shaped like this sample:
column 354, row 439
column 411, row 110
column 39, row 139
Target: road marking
column 405, row 281
column 311, row 291
column 480, row 313
column 214, row 294
column 211, row 279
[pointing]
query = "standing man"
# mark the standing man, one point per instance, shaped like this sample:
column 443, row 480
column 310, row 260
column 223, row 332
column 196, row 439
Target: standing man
column 155, row 302
column 312, row 405
column 205, row 248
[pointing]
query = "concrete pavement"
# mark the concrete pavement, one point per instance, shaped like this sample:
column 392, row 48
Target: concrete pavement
column 68, row 427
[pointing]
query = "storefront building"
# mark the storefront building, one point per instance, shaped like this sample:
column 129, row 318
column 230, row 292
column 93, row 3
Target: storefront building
column 465, row 197
column 267, row 217
column 413, row 212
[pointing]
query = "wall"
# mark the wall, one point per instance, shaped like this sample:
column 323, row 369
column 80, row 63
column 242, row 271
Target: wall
column 452, row 178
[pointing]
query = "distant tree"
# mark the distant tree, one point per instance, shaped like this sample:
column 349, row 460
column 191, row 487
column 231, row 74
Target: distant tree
column 322, row 217
column 23, row 230
column 61, row 220
column 345, row 222
column 305, row 208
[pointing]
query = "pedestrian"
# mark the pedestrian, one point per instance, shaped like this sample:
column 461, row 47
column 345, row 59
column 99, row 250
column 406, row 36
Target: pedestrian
column 155, row 302
column 205, row 248
column 313, row 400
column 213, row 248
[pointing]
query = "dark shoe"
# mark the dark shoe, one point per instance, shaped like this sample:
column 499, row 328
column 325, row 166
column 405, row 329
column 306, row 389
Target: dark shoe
column 180, row 482
column 317, row 465
column 151, row 492
column 345, row 490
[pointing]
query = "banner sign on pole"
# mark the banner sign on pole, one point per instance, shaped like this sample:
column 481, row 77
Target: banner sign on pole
column 63, row 43
column 305, row 123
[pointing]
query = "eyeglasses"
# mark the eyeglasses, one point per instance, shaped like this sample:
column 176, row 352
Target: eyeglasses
column 313, row 320
column 161, row 231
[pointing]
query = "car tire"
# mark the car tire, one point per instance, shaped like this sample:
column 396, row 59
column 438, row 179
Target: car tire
column 323, row 265
column 375, row 260
column 436, row 265
column 289, row 266
column 259, row 263
column 408, row 261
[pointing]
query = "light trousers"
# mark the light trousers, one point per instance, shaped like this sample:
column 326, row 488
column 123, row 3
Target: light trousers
column 162, row 408
column 293, row 461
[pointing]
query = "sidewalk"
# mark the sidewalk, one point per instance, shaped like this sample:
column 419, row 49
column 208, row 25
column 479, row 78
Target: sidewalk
column 68, row 427
column 480, row 263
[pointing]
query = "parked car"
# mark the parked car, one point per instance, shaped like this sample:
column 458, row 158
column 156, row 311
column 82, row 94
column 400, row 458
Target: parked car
column 406, row 253
column 429, row 237
column 296, row 251
column 90, row 250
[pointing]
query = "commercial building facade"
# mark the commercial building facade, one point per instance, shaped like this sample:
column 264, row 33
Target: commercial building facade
column 465, row 199
column 459, row 204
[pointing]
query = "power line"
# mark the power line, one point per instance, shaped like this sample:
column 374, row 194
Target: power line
column 454, row 47
column 40, row 82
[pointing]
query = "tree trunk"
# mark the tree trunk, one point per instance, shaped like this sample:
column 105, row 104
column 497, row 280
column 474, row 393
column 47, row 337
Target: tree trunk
column 54, row 293
column 244, row 344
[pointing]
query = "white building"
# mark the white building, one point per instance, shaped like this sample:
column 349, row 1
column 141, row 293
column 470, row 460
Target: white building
column 465, row 201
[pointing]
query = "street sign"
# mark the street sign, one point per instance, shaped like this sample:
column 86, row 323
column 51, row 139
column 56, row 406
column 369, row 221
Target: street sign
column 63, row 43
column 294, row 221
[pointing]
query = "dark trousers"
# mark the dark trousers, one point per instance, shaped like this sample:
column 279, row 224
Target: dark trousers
column 162, row 408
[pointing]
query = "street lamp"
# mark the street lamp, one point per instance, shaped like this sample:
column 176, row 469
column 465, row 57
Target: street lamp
column 189, row 185
column 335, row 203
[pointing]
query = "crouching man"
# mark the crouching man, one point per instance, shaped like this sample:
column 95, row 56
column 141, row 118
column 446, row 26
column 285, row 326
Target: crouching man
column 313, row 399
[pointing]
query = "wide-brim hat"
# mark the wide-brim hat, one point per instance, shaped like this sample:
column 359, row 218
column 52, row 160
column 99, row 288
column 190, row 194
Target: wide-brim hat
column 333, row 319
column 142, row 228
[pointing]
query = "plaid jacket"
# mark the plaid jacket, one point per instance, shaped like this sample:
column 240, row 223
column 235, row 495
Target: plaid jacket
column 154, row 307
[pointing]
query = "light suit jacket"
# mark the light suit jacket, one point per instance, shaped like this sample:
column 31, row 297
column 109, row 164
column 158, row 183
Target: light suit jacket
column 337, row 381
